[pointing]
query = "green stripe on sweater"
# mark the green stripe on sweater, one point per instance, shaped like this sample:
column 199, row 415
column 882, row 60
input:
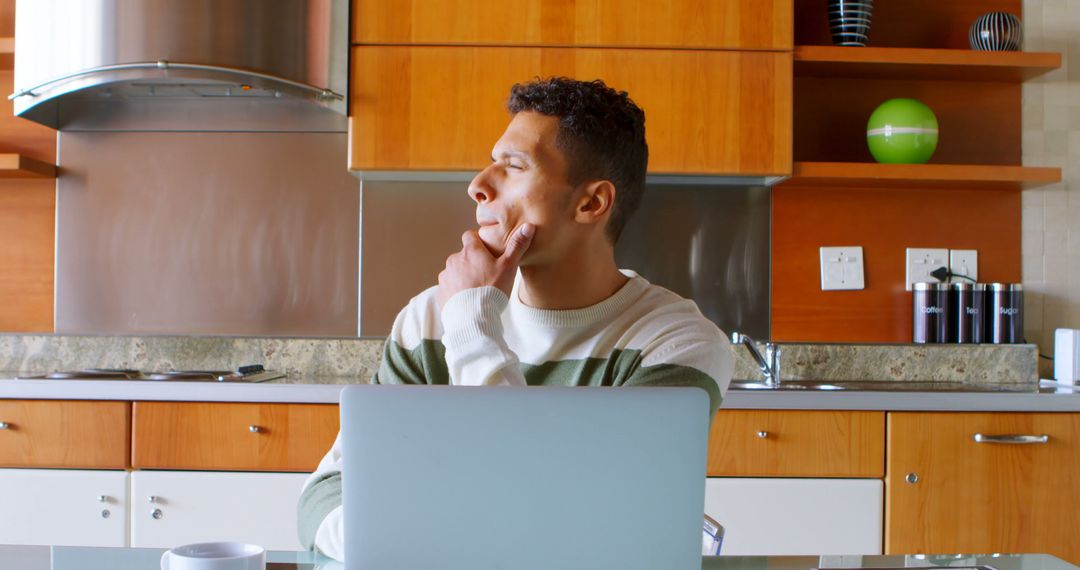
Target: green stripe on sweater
column 426, row 364
column 317, row 500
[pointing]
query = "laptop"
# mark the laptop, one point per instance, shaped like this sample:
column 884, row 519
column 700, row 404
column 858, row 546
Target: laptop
column 454, row 477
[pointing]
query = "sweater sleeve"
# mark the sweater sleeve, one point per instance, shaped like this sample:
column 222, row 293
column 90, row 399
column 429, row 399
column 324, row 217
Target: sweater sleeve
column 476, row 352
column 319, row 513
column 702, row 361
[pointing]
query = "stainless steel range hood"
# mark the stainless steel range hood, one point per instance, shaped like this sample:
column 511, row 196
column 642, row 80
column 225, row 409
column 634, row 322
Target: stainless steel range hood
column 182, row 65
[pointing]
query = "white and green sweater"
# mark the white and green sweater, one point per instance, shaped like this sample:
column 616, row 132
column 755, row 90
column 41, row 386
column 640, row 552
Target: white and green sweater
column 643, row 335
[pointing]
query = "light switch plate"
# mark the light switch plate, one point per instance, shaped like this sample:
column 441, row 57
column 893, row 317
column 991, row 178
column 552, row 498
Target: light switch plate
column 842, row 268
column 964, row 262
column 920, row 262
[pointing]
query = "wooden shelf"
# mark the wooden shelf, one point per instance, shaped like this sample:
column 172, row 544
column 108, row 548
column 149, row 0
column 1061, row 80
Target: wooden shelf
column 913, row 176
column 19, row 166
column 922, row 64
column 7, row 53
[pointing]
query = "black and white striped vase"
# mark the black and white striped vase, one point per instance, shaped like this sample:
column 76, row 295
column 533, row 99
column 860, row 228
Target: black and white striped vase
column 996, row 31
column 850, row 21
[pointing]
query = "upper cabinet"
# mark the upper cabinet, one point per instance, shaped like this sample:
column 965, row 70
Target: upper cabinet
column 430, row 78
column 443, row 108
column 699, row 24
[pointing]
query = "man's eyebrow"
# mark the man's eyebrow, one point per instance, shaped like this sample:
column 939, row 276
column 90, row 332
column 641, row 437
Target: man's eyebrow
column 513, row 153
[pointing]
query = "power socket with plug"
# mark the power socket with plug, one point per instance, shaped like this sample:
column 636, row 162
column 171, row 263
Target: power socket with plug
column 921, row 261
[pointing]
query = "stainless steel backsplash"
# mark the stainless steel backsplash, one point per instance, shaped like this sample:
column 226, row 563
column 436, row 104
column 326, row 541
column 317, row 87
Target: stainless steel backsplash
column 708, row 242
column 259, row 234
column 206, row 233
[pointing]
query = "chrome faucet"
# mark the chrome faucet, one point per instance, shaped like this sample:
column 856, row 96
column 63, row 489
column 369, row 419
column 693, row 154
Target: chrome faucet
column 769, row 363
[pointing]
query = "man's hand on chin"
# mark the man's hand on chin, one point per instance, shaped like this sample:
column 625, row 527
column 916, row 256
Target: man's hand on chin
column 475, row 266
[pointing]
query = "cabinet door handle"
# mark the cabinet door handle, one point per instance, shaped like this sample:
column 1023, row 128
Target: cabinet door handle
column 5, row 425
column 1010, row 438
column 254, row 428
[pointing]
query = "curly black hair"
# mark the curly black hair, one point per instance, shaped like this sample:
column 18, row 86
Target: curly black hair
column 601, row 133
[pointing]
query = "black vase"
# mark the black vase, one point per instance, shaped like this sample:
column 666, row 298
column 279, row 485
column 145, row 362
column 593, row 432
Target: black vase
column 850, row 21
column 996, row 31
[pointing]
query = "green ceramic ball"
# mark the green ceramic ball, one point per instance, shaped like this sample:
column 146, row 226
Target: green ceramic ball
column 902, row 131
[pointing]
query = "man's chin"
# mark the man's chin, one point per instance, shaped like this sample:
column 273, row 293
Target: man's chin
column 495, row 245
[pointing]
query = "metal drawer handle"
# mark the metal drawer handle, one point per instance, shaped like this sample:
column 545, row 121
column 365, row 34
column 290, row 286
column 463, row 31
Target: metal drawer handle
column 763, row 434
column 5, row 425
column 254, row 428
column 1011, row 438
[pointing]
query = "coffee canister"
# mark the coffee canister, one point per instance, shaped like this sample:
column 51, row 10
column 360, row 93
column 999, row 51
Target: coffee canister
column 1004, row 313
column 966, row 312
column 931, row 313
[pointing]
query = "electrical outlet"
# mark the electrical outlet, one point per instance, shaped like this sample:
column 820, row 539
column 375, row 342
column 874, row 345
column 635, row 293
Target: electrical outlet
column 842, row 268
column 920, row 262
column 964, row 262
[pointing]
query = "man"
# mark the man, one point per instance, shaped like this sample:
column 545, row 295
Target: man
column 534, row 296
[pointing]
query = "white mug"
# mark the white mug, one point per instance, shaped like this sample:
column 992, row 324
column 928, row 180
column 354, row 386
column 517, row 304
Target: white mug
column 215, row 556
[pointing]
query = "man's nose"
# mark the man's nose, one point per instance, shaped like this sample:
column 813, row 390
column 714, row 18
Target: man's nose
column 480, row 189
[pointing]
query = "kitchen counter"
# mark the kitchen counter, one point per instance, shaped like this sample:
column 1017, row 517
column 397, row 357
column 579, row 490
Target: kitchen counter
column 890, row 396
column 82, row 558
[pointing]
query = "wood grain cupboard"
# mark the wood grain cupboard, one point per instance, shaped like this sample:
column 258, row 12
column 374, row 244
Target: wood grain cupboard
column 68, row 434
column 63, row 506
column 27, row 240
column 443, row 108
column 947, row 492
column 730, row 24
column 796, row 516
column 170, row 508
column 797, row 481
column 27, row 222
column 231, row 436
column 797, row 443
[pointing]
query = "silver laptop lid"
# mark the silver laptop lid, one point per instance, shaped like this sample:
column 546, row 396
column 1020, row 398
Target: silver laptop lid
column 483, row 478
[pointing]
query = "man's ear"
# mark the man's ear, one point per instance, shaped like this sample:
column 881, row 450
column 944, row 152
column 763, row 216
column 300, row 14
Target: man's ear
column 596, row 202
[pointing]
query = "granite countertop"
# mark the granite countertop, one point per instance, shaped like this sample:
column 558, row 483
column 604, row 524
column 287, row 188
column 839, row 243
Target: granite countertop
column 325, row 389
column 872, row 376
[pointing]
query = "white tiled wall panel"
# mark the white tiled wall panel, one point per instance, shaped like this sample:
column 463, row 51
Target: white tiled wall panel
column 1051, row 137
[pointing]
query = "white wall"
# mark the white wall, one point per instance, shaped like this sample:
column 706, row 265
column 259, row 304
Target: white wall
column 1051, row 137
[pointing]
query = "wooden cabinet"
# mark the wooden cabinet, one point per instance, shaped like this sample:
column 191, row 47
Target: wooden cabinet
column 443, row 108
column 238, row 437
column 64, row 507
column 794, row 443
column 69, row 434
column 732, row 24
column 797, row 516
column 797, row 482
column 27, row 205
column 171, row 508
column 948, row 493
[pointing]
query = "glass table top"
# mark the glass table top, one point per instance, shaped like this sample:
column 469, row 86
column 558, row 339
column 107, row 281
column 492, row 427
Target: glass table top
column 81, row 558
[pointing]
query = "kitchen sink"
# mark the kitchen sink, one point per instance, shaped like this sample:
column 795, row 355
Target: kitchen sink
column 880, row 386
column 789, row 385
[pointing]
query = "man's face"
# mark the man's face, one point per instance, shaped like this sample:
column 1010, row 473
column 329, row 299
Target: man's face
column 526, row 182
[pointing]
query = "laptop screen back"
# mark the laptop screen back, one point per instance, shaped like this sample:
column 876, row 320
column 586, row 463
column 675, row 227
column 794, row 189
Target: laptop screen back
column 466, row 477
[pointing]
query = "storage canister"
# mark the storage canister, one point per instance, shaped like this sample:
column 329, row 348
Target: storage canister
column 1005, row 313
column 966, row 313
column 931, row 313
